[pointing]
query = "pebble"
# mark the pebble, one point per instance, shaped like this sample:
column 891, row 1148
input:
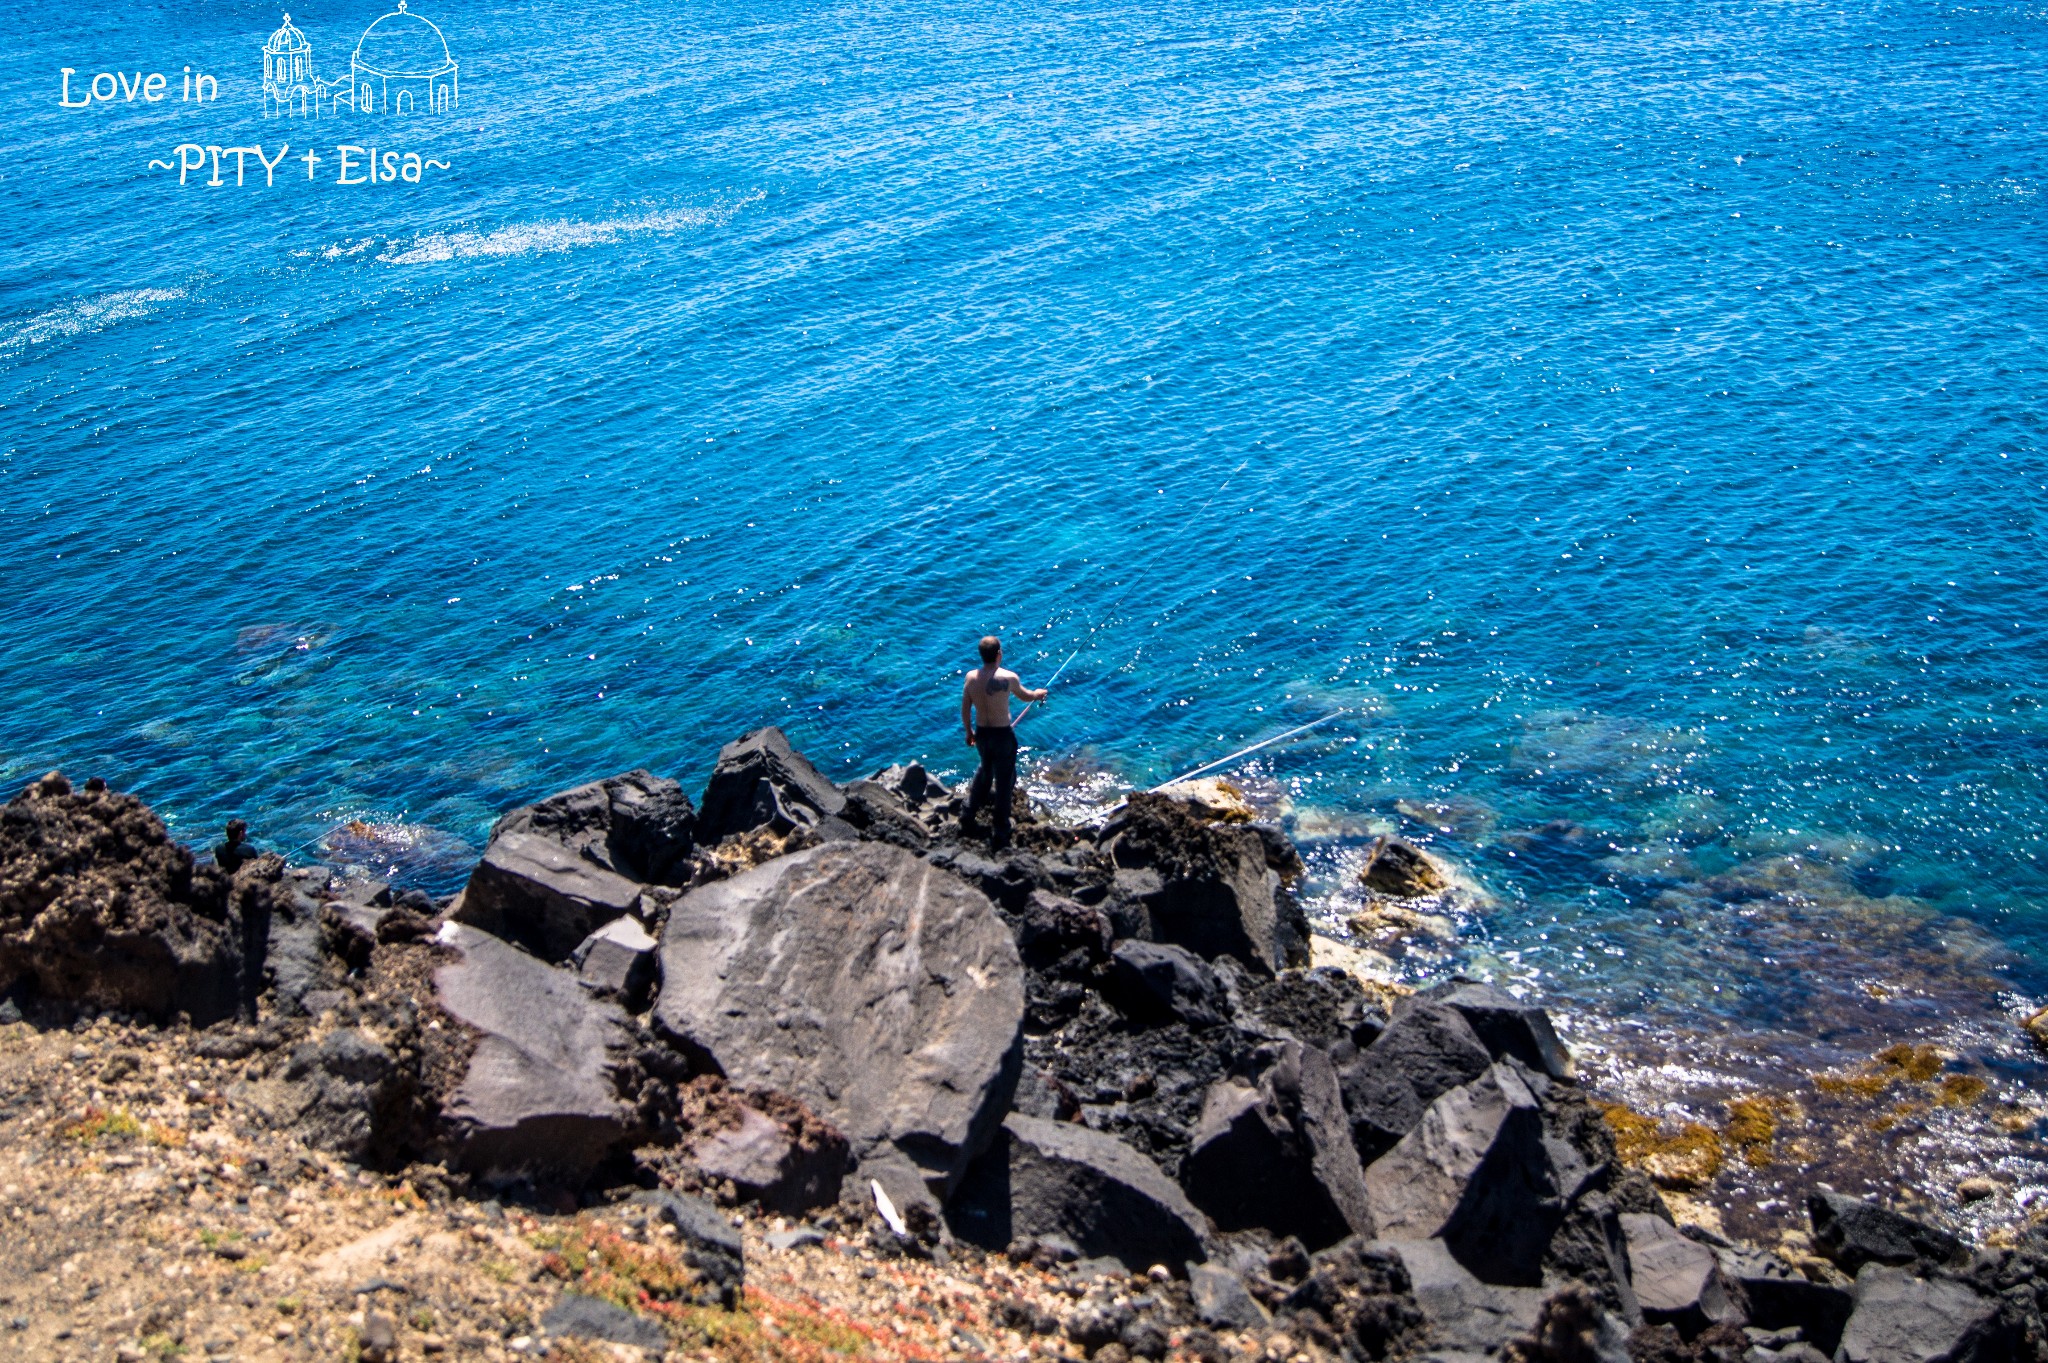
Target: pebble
column 1977, row 1188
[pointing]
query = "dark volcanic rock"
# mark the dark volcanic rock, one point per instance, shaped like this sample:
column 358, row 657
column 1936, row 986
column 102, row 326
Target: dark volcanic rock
column 1156, row 982
column 1279, row 1154
column 348, row 1093
column 1677, row 1281
column 98, row 905
column 1854, row 1233
column 1777, row 1298
column 617, row 961
column 1900, row 1318
column 575, row 1316
column 1205, row 886
column 1590, row 1247
column 762, row 782
column 1364, row 1296
column 885, row 994
column 1325, row 1007
column 1222, row 1301
column 1144, row 1085
column 1474, row 1172
column 1506, row 1025
column 556, row 871
column 1052, row 928
column 1401, row 869
column 1043, row 1178
column 777, row 1152
column 540, row 1094
column 295, row 961
column 709, row 1245
column 1463, row 1312
column 1427, row 1051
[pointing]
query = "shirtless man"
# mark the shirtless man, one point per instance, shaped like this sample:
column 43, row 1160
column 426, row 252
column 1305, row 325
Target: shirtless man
column 985, row 715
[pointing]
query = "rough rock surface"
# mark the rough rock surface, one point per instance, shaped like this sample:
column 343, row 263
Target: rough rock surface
column 1474, row 1173
column 1155, row 981
column 1506, row 1025
column 1901, row 1318
column 1853, row 1233
column 1043, row 1178
column 618, row 961
column 762, row 782
column 98, row 905
column 1401, row 869
column 772, row 1150
column 540, row 1094
column 1427, row 1051
column 1278, row 1153
column 882, row 992
column 576, row 1316
column 1205, row 886
column 1462, row 1311
column 710, row 1244
column 1677, row 1281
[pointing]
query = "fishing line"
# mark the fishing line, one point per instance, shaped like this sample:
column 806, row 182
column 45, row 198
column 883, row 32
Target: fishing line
column 1245, row 752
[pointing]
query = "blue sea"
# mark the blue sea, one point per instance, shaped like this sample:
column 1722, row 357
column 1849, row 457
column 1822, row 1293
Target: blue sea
column 1629, row 416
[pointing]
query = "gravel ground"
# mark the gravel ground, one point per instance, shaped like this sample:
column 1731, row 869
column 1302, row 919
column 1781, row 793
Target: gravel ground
column 151, row 1215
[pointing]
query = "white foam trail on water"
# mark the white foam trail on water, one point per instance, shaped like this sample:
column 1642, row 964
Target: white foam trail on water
column 537, row 238
column 89, row 314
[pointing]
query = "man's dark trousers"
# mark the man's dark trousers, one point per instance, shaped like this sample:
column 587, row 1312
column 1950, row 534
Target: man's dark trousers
column 998, row 749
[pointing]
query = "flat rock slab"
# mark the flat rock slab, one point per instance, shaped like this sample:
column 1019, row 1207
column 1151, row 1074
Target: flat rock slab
column 1903, row 1319
column 1474, row 1173
column 884, row 993
column 1677, row 1281
column 1044, row 1178
column 538, row 1097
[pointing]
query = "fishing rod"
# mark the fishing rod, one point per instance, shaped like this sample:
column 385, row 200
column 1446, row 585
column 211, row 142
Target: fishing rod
column 1245, row 752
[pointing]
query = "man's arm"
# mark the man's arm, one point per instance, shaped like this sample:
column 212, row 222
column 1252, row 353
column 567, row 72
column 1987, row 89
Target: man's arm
column 1026, row 692
column 967, row 708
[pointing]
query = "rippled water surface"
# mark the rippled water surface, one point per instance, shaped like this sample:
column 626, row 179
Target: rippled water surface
column 1630, row 414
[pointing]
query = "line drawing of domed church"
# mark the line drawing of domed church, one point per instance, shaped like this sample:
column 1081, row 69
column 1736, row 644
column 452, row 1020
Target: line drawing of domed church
column 401, row 65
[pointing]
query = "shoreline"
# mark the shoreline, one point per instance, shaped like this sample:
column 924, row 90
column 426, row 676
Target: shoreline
column 1162, row 955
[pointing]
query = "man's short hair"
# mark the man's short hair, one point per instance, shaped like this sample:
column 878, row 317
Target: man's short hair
column 991, row 648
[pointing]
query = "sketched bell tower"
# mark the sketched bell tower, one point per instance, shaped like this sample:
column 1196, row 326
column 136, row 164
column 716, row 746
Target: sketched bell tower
column 288, row 72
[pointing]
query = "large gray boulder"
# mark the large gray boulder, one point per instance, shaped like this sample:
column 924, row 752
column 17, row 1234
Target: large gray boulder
column 1677, row 1281
column 1462, row 1311
column 1427, row 1051
column 762, row 782
column 1205, row 886
column 1278, row 1153
column 1853, row 1233
column 1900, row 1318
column 1474, row 1173
column 1505, row 1025
column 539, row 1097
column 882, row 992
column 556, row 871
column 1044, row 1178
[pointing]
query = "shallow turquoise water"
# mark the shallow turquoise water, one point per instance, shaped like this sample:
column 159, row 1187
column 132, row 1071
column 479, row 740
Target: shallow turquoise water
column 1632, row 414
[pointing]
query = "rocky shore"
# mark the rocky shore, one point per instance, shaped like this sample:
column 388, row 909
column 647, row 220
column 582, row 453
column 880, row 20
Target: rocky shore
column 802, row 1071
